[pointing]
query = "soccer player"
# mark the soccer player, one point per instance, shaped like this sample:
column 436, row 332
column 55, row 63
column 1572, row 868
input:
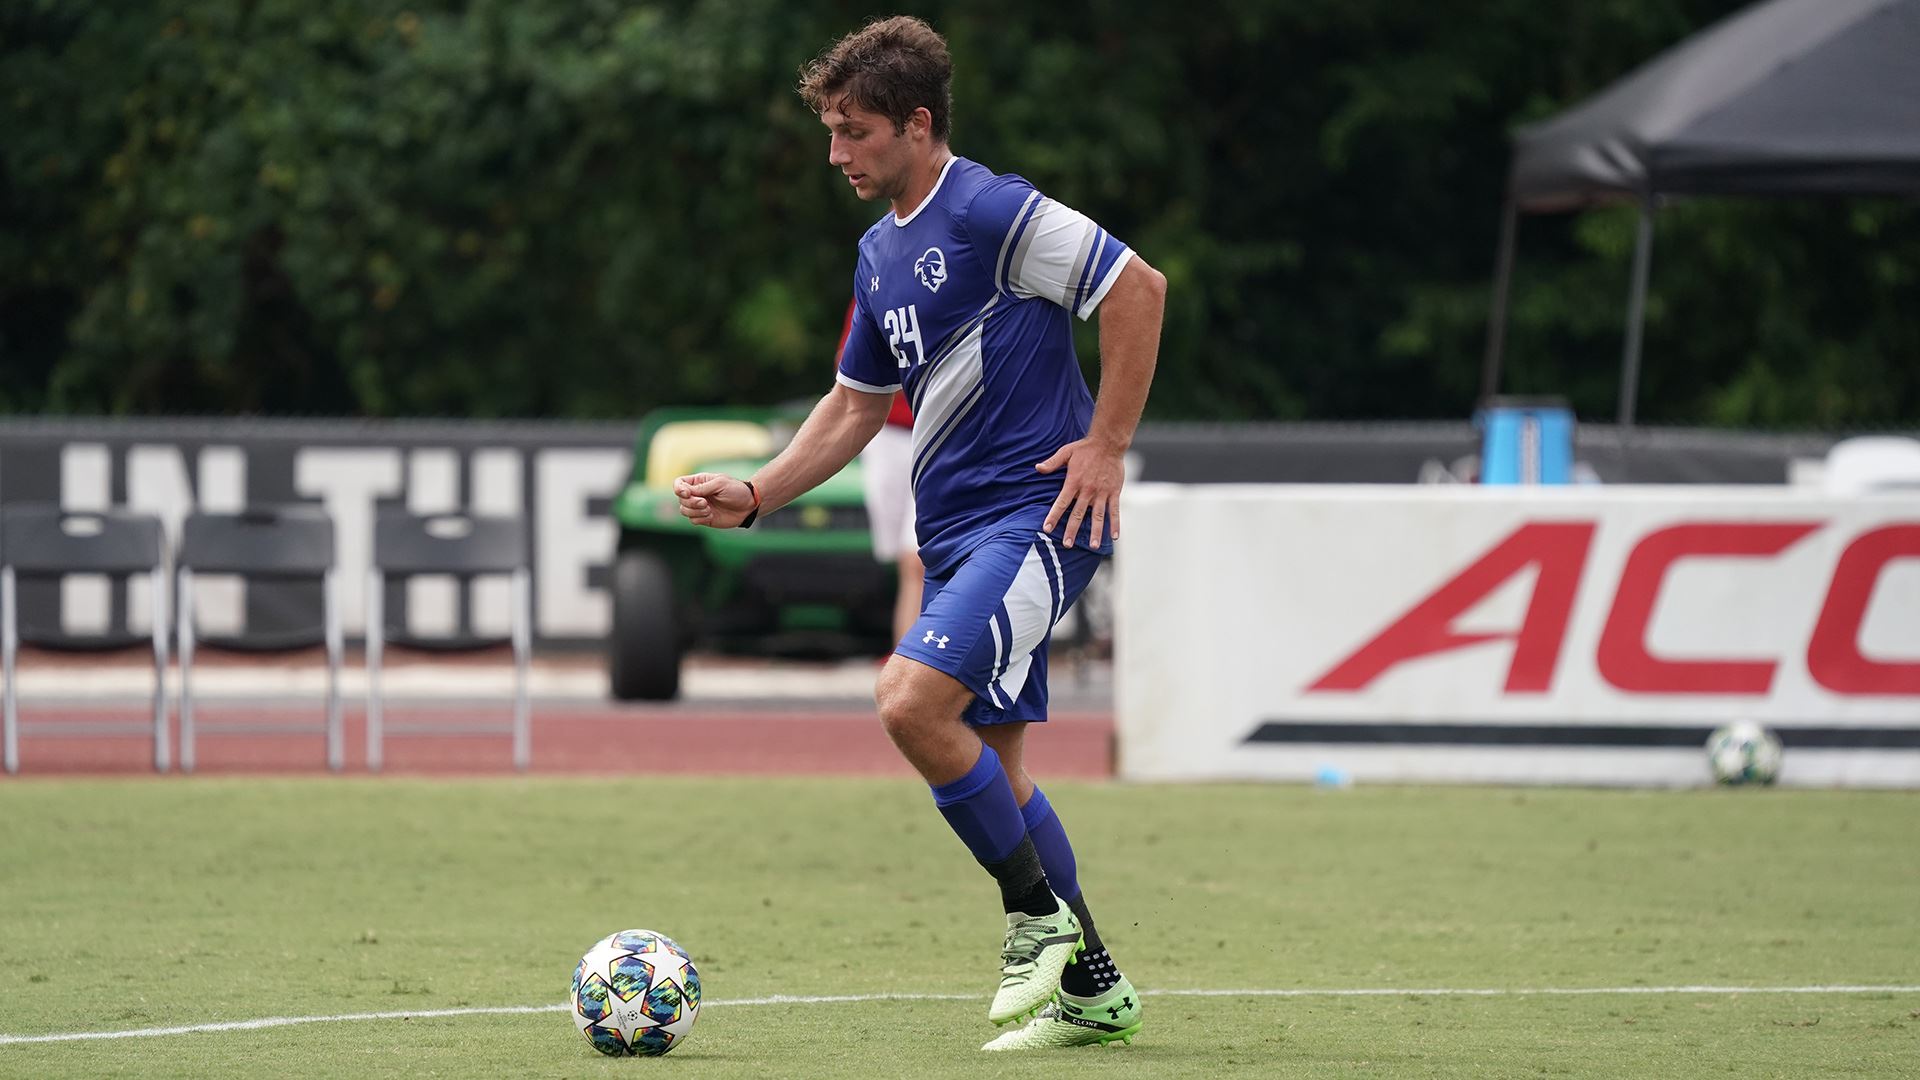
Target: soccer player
column 966, row 288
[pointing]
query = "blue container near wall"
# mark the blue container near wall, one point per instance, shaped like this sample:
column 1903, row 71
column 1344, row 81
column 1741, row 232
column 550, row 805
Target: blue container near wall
column 1525, row 441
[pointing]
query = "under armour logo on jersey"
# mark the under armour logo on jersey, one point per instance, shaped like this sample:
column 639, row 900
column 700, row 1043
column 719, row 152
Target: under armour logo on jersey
column 931, row 269
column 937, row 642
column 875, row 285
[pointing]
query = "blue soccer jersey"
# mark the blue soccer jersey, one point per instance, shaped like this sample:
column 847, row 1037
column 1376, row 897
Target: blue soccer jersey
column 965, row 303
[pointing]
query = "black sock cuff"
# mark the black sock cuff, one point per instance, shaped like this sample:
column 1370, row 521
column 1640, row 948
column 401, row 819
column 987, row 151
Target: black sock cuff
column 1023, row 884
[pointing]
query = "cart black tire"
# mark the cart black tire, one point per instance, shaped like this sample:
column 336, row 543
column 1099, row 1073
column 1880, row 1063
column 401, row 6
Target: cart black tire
column 643, row 652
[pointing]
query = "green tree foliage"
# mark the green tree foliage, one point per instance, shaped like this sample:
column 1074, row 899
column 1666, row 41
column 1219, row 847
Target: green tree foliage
column 590, row 207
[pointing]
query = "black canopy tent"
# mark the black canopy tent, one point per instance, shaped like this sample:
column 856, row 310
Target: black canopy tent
column 1787, row 97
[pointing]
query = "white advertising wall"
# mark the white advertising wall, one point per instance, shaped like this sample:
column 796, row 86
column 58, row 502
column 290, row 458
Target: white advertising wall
column 1530, row 635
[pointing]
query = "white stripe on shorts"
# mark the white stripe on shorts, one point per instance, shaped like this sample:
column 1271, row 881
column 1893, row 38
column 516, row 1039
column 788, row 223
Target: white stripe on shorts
column 1052, row 547
column 999, row 650
column 1029, row 605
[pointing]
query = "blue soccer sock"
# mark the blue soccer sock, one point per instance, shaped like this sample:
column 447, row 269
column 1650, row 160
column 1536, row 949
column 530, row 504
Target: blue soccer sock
column 1094, row 972
column 981, row 810
column 1050, row 841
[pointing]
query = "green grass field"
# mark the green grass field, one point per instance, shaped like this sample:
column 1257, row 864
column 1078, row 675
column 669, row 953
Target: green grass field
column 152, row 903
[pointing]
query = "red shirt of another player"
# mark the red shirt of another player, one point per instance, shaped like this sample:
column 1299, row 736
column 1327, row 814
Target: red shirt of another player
column 901, row 413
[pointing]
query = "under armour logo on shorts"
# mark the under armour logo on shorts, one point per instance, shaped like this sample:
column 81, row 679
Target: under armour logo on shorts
column 940, row 642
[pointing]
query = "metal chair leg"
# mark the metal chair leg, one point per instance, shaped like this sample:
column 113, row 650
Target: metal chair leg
column 184, row 617
column 376, row 642
column 336, row 733
column 9, row 645
column 522, row 666
column 158, row 581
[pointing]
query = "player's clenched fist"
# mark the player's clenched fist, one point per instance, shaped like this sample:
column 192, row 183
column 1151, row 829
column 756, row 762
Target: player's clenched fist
column 713, row 499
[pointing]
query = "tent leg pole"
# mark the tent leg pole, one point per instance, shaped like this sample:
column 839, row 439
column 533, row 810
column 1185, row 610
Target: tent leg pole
column 1497, row 317
column 1636, row 316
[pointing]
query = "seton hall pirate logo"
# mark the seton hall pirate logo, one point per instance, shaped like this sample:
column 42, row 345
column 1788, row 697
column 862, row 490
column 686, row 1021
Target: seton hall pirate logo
column 931, row 269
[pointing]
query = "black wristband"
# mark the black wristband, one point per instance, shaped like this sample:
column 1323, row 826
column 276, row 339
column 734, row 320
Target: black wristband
column 747, row 522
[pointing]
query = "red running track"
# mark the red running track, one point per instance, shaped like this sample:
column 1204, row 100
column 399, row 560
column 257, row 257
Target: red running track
column 568, row 738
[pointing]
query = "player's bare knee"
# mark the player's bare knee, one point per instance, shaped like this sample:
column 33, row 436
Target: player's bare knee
column 900, row 712
column 896, row 718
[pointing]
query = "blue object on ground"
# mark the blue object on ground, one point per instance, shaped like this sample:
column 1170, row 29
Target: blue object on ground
column 1525, row 442
column 1332, row 776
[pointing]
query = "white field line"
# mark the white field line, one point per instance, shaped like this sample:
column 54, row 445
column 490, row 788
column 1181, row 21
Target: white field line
column 833, row 999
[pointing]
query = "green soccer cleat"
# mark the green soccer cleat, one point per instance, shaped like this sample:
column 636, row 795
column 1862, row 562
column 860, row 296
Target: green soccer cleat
column 1037, row 947
column 1076, row 1021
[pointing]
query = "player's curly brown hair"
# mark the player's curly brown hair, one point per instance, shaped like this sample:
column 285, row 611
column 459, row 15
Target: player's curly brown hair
column 889, row 66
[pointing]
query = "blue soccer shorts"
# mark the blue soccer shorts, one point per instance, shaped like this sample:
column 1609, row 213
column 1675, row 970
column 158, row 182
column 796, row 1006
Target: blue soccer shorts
column 988, row 622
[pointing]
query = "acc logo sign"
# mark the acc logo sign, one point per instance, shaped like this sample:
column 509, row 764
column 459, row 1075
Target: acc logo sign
column 1555, row 554
column 931, row 269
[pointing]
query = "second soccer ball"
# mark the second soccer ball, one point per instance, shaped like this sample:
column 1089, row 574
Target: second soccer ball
column 1743, row 752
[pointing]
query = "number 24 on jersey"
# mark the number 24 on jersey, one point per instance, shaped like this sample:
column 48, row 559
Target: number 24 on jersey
column 903, row 328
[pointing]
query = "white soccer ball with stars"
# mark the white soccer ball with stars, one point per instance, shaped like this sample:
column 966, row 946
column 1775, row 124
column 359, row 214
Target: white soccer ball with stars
column 1743, row 752
column 635, row 992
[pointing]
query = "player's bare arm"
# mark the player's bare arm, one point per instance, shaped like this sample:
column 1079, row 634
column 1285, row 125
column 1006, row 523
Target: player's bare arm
column 844, row 421
column 1129, row 348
